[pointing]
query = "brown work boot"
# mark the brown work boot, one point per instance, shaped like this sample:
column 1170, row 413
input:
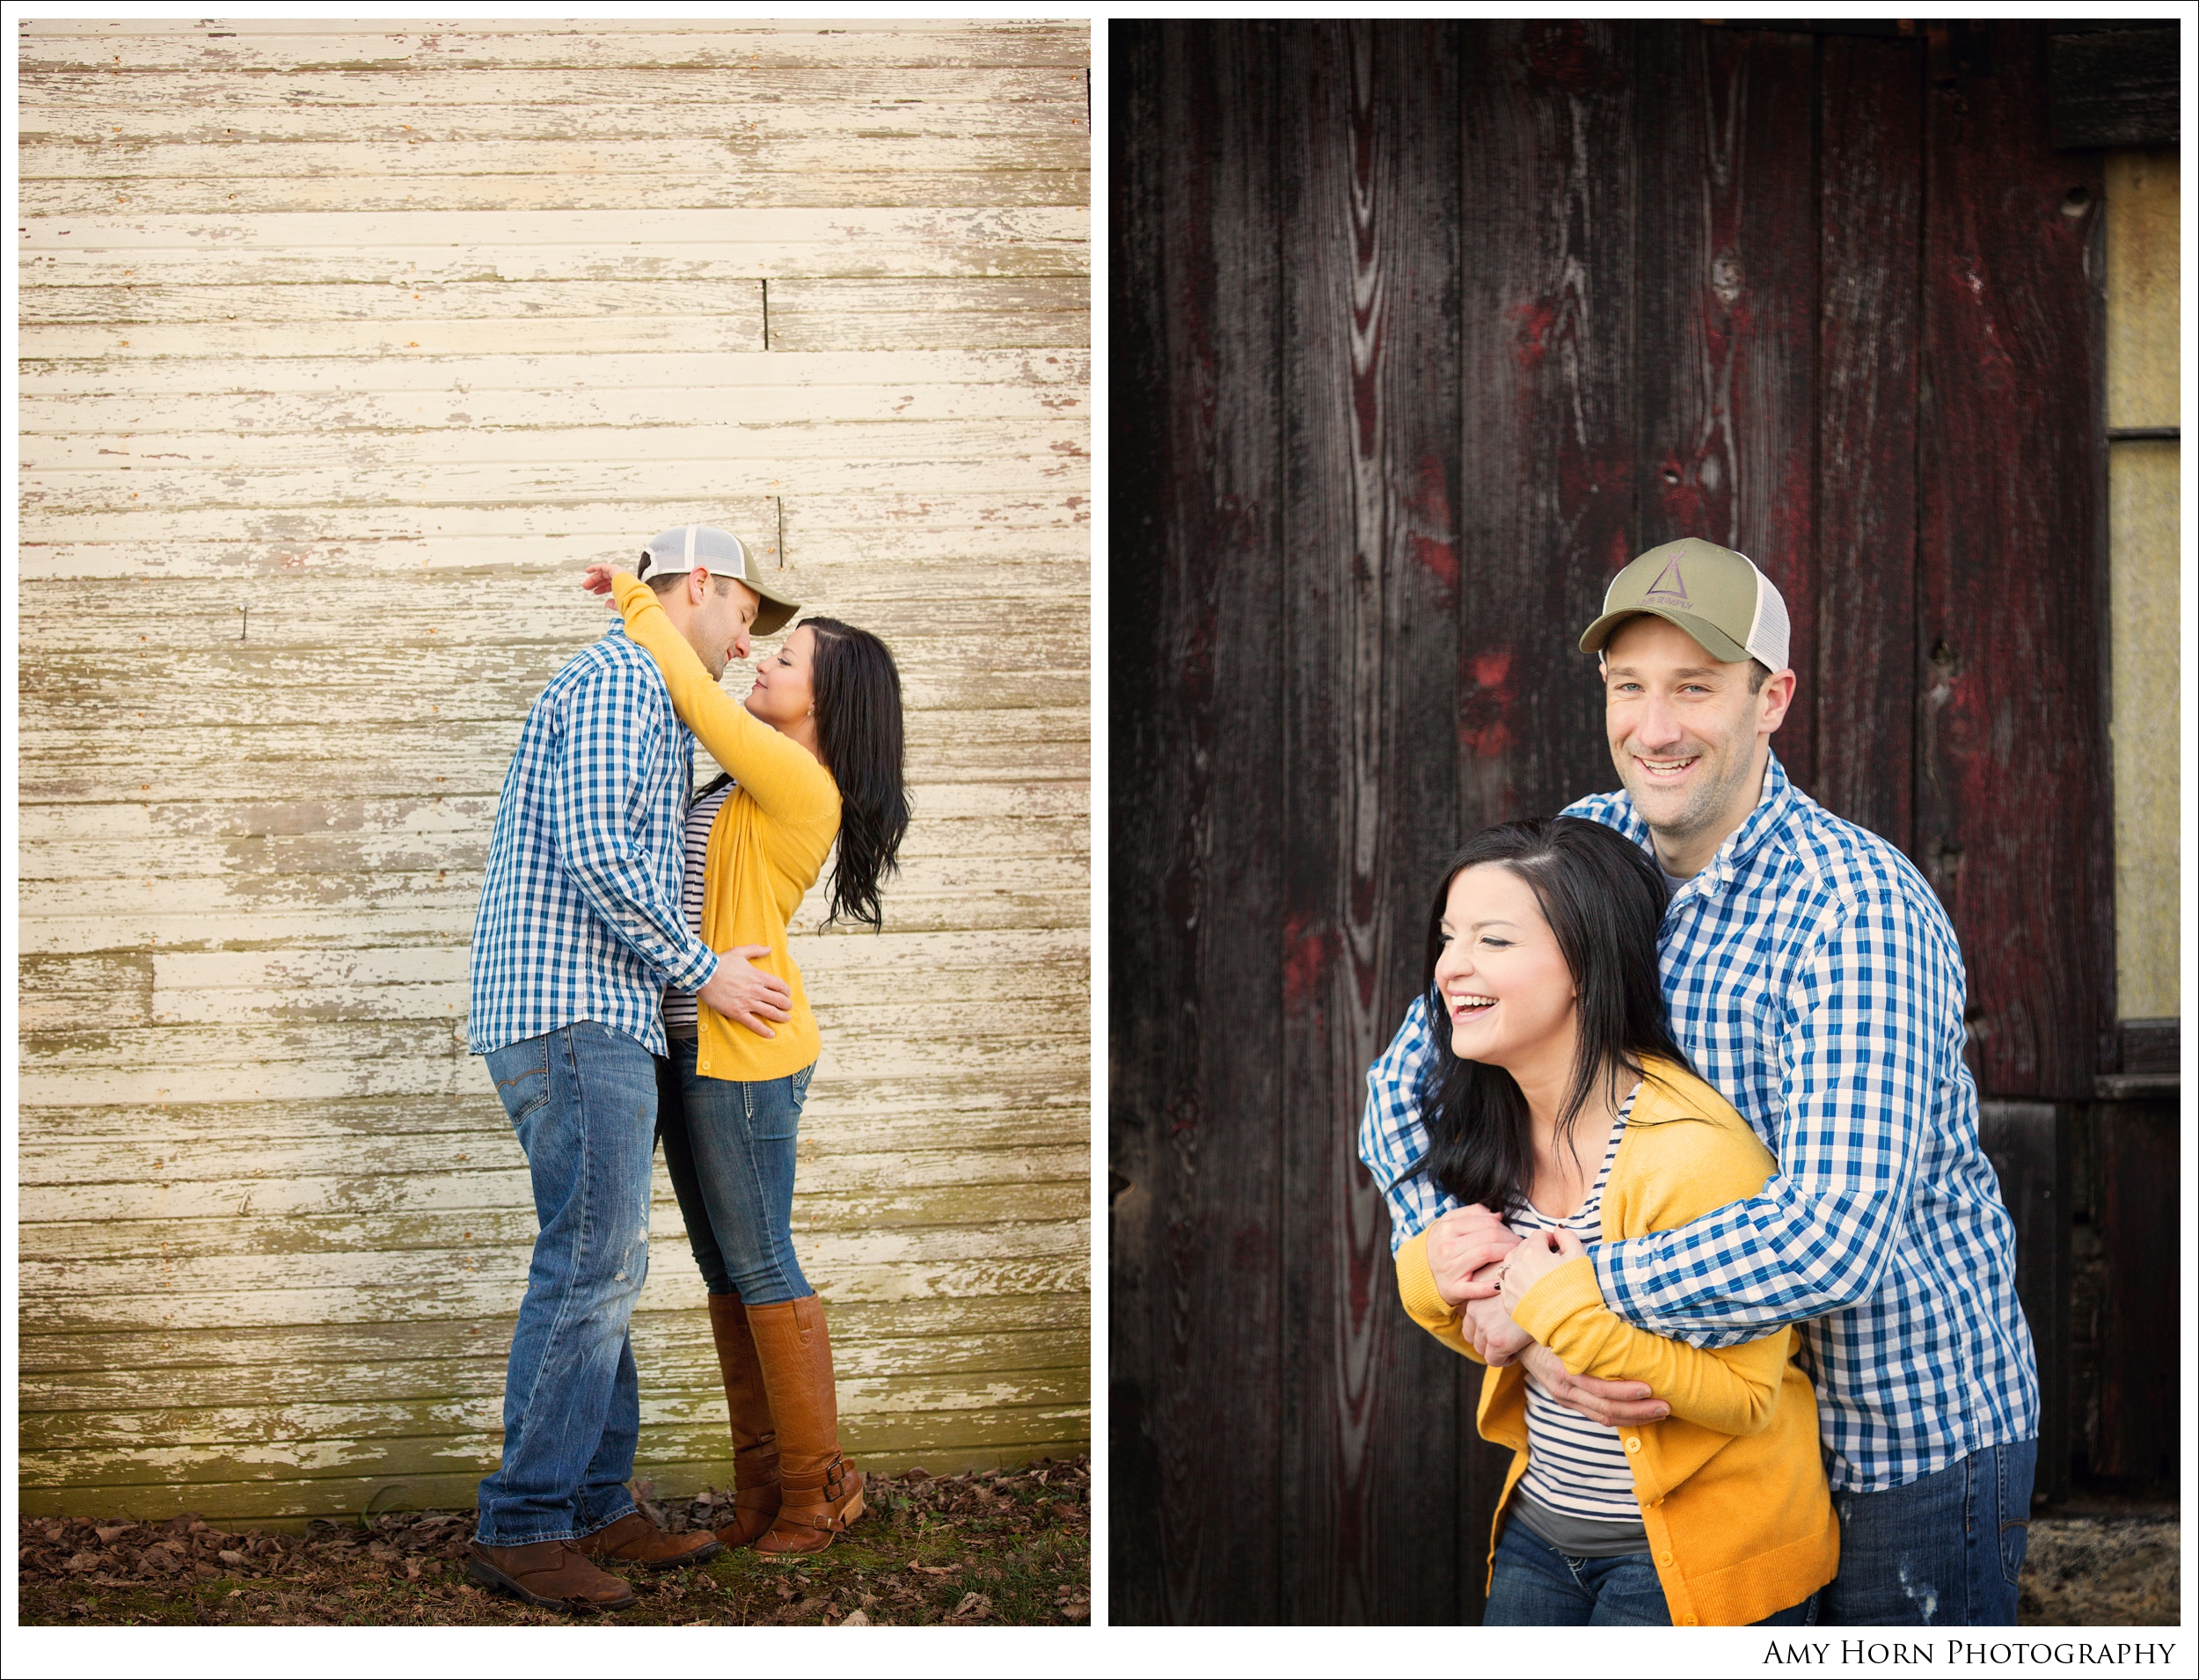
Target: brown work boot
column 755, row 1445
column 548, row 1572
column 634, row 1539
column 820, row 1493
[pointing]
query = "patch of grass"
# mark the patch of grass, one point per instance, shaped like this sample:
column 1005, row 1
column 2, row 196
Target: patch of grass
column 1006, row 1547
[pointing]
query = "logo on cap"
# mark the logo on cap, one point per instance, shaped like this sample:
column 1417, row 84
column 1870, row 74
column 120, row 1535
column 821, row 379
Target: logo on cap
column 1675, row 592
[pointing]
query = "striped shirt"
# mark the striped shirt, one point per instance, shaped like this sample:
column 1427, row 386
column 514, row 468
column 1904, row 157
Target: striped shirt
column 1575, row 1467
column 1813, row 979
column 580, row 916
column 679, row 1006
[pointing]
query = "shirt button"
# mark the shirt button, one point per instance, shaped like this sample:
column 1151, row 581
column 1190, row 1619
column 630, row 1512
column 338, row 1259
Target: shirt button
column 1633, row 1443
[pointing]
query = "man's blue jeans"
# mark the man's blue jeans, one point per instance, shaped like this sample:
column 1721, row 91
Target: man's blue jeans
column 1942, row 1552
column 583, row 1100
column 729, row 1147
column 1536, row 1585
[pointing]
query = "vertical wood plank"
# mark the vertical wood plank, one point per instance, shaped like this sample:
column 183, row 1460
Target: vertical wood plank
column 2012, row 753
column 1547, row 382
column 1862, row 668
column 1726, row 312
column 2028, row 1144
column 1196, row 758
column 1370, row 577
column 2137, row 1169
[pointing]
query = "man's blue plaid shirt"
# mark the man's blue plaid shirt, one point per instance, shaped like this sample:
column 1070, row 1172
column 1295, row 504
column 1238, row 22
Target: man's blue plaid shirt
column 1815, row 980
column 580, row 917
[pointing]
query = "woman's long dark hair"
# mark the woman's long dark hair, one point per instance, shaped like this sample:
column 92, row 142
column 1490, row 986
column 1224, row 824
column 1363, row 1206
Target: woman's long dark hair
column 856, row 689
column 1603, row 900
column 858, row 693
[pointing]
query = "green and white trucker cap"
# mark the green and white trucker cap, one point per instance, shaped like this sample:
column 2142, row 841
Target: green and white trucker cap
column 1716, row 596
column 722, row 555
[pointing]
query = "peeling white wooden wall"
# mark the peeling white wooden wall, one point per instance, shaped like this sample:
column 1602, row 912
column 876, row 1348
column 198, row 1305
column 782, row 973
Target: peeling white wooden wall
column 344, row 346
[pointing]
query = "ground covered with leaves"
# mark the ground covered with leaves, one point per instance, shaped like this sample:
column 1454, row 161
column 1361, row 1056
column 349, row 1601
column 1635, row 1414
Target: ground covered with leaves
column 1009, row 1547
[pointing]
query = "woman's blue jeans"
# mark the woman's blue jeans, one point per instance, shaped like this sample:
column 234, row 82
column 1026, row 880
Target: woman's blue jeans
column 583, row 1102
column 1536, row 1585
column 729, row 1146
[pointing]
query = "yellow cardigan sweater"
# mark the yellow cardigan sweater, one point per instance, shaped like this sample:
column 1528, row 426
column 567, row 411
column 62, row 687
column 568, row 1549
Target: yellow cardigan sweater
column 1732, row 1485
column 769, row 841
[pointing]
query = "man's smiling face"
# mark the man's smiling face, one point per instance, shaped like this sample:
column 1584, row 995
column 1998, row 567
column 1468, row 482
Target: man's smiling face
column 1688, row 734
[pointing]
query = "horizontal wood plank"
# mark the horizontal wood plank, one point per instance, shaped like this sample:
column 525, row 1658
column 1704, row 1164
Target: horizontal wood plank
column 953, row 911
column 864, row 524
column 195, row 390
column 236, row 682
column 693, row 375
column 472, row 1455
column 672, row 1410
column 91, row 460
column 803, row 190
column 669, row 102
column 402, row 489
column 805, row 139
column 237, row 49
column 913, row 1186
column 129, row 343
column 330, row 1059
column 261, row 819
column 305, row 248
column 659, row 1335
column 845, row 1111
column 293, row 1503
column 475, row 1451
column 943, row 1446
column 682, row 1360
column 477, row 1296
column 548, row 611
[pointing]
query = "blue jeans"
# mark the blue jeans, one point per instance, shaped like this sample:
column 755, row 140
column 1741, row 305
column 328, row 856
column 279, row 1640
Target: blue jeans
column 1536, row 1585
column 583, row 1101
column 1942, row 1552
column 729, row 1146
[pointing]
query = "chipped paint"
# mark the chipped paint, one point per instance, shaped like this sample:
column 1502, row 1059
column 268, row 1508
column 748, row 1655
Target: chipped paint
column 385, row 388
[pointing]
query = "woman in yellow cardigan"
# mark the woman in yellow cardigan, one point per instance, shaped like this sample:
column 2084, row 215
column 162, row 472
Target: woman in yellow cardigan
column 1560, row 1100
column 813, row 753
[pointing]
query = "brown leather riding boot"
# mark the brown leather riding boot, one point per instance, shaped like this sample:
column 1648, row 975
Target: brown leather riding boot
column 755, row 1445
column 548, row 1572
column 634, row 1539
column 820, row 1493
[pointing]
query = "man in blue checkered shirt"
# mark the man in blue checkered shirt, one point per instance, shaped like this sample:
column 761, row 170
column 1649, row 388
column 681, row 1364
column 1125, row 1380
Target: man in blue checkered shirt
column 1814, row 978
column 580, row 929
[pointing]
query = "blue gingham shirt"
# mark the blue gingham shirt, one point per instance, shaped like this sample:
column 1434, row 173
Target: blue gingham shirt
column 580, row 917
column 1813, row 979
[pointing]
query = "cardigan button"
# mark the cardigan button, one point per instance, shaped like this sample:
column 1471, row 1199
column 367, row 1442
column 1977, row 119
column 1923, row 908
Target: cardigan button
column 1665, row 1557
column 1633, row 1443
column 1690, row 1619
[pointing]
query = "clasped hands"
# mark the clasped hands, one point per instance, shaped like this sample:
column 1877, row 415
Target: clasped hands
column 1480, row 1267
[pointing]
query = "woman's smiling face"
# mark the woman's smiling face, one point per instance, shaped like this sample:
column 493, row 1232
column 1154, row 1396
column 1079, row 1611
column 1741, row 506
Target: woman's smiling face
column 1504, row 982
column 782, row 694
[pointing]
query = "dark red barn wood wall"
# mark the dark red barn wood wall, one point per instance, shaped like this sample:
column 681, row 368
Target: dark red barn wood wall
column 1420, row 330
